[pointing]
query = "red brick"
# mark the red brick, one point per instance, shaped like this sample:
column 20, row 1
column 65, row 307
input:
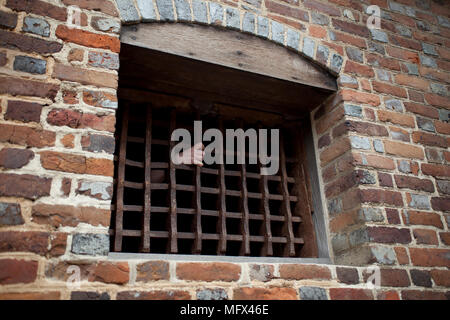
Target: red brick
column 344, row 220
column 58, row 161
column 85, row 76
column 414, row 183
column 88, row 39
column 360, row 127
column 428, row 257
column 425, row 236
column 403, row 150
column 264, row 294
column 352, row 28
column 300, row 272
column 78, row 120
column 154, row 295
column 347, row 275
column 348, row 39
column 411, row 81
column 360, row 97
column 382, row 62
column 359, row 69
column 208, row 271
column 415, row 96
column 11, row 158
column 422, row 295
column 441, row 277
column 23, row 111
column 392, row 216
column 402, row 255
column 350, row 294
column 322, row 7
column 389, row 89
column 25, row 43
column 48, row 295
column 403, row 54
column 429, row 139
column 421, row 109
column 437, row 100
column 435, row 170
column 105, row 6
column 8, row 20
column 40, row 8
column 26, row 136
column 70, row 97
column 17, row 271
column 98, row 166
column 318, row 32
column 405, row 43
column 30, row 88
column 66, row 215
column 400, row 134
column 287, row 11
column 24, row 185
column 385, row 179
column 334, row 151
column 442, row 127
column 374, row 161
column 111, row 272
column 388, row 295
column 68, row 141
column 422, row 218
column 30, row 241
column 440, row 204
column 392, row 277
column 330, row 119
column 389, row 235
column 445, row 238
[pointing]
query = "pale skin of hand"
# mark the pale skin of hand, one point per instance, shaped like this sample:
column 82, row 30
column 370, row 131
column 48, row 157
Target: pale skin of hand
column 194, row 156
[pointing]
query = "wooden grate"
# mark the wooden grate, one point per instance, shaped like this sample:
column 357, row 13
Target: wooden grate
column 219, row 209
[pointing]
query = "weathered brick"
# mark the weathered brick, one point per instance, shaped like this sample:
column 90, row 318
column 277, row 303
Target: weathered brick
column 261, row 272
column 66, row 184
column 264, row 294
column 422, row 218
column 403, row 150
column 382, row 196
column 347, row 275
column 334, row 150
column 84, row 76
column 435, row 170
column 100, row 99
column 22, row 87
column 24, row 185
column 430, row 257
column 212, row 294
column 425, row 236
column 88, row 39
column 10, row 214
column 11, row 158
column 37, row 26
column 392, row 216
column 40, row 8
column 300, row 272
column 351, row 28
column 374, row 161
column 14, row 271
column 208, row 271
column 48, row 295
column 90, row 244
column 66, row 215
column 79, row 120
column 89, row 295
column 358, row 69
column 23, row 111
column 414, row 183
column 58, row 161
column 75, row 55
column 360, row 97
column 103, row 60
column 429, row 139
column 440, row 204
column 106, row 24
column 365, row 128
column 29, row 241
column 110, row 272
column 105, row 6
column 389, row 235
column 8, row 20
column 350, row 294
column 68, row 141
column 25, row 43
column 286, row 11
column 152, row 271
column 441, row 277
column 98, row 143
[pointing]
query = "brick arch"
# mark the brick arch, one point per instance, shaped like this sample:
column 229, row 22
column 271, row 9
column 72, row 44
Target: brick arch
column 227, row 17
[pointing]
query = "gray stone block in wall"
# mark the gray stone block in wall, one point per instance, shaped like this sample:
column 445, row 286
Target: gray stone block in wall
column 428, row 61
column 199, row 9
column 371, row 214
column 128, row 11
column 10, row 214
column 30, row 65
column 263, row 27
column 360, row 142
column 378, row 145
column 425, row 124
column 96, row 189
column 444, row 115
column 354, row 54
column 308, row 47
column 104, row 60
column 352, row 110
column 212, row 294
column 293, row 38
column 147, row 10
column 183, row 10
column 394, row 104
column 248, row 23
column 277, row 32
column 90, row 244
column 429, row 49
column 336, row 63
column 37, row 26
column 419, row 201
column 439, row 89
column 233, row 18
column 165, row 10
column 320, row 19
column 384, row 255
column 358, row 237
column 106, row 24
column 379, row 35
column 313, row 293
column 322, row 53
column 339, row 242
column 216, row 13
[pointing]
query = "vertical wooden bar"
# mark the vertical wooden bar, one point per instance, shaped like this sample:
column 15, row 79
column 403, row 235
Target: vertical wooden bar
column 222, row 222
column 173, row 241
column 121, row 179
column 245, row 246
column 289, row 249
column 267, row 249
column 304, row 203
column 145, row 241
column 198, row 207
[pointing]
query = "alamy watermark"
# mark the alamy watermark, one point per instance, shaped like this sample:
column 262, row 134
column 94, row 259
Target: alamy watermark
column 374, row 20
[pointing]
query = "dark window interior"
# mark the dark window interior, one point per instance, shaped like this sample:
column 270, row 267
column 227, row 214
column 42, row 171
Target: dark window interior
column 216, row 209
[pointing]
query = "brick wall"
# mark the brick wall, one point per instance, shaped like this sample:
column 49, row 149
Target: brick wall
column 382, row 144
